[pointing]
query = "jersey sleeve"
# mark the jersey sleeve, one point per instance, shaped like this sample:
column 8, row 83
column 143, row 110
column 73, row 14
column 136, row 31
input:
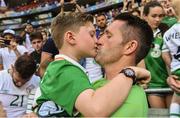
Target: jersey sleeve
column 64, row 85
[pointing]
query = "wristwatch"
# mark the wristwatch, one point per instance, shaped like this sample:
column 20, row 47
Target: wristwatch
column 129, row 72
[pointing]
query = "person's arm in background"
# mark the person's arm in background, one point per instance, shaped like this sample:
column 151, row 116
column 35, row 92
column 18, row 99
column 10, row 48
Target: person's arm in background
column 78, row 7
column 62, row 6
column 46, row 58
column 49, row 50
column 125, row 3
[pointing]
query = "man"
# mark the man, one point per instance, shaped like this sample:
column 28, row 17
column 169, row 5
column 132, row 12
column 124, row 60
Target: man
column 11, row 51
column 37, row 43
column 125, row 43
column 101, row 23
column 16, row 84
column 68, row 78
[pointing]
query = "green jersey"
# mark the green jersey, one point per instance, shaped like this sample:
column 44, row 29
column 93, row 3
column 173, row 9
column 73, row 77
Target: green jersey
column 155, row 64
column 134, row 106
column 62, row 83
column 170, row 21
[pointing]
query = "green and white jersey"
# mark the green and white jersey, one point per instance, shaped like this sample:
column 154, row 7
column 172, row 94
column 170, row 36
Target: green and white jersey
column 170, row 21
column 62, row 83
column 134, row 106
column 155, row 64
column 14, row 99
column 172, row 45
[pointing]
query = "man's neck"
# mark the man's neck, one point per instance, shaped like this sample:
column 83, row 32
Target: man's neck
column 113, row 69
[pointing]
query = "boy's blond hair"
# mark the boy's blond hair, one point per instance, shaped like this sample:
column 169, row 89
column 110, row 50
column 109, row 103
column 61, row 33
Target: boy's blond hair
column 68, row 22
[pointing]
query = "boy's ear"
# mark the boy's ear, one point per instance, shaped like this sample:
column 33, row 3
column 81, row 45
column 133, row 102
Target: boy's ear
column 130, row 47
column 69, row 36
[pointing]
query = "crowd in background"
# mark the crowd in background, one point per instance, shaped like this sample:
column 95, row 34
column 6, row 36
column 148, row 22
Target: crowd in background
column 36, row 47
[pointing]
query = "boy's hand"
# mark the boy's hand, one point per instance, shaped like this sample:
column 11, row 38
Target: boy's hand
column 174, row 83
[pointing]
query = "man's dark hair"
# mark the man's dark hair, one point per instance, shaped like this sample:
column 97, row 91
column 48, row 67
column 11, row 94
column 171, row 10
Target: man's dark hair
column 136, row 29
column 36, row 35
column 25, row 66
column 149, row 5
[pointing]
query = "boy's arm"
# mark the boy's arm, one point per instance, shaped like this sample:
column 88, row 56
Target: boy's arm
column 105, row 100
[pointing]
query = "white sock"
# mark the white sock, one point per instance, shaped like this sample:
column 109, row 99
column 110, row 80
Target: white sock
column 174, row 110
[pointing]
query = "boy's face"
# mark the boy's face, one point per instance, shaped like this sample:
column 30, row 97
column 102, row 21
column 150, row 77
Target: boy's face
column 87, row 41
column 37, row 44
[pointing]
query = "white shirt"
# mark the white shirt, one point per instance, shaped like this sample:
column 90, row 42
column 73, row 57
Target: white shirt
column 9, row 57
column 14, row 99
column 172, row 45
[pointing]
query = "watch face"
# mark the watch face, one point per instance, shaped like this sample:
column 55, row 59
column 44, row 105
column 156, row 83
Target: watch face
column 129, row 72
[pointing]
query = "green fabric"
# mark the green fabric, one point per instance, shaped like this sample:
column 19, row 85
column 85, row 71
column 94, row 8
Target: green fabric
column 170, row 21
column 135, row 104
column 155, row 64
column 62, row 83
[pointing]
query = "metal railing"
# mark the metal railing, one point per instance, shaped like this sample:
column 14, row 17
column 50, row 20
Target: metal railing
column 158, row 90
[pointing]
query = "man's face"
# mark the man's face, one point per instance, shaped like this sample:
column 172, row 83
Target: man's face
column 37, row 44
column 16, row 78
column 9, row 37
column 101, row 21
column 110, row 47
column 154, row 17
column 29, row 28
column 87, row 41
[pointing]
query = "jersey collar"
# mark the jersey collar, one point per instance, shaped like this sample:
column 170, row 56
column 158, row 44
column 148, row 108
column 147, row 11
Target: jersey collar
column 62, row 56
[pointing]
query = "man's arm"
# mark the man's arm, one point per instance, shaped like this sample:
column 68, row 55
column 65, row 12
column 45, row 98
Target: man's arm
column 105, row 100
column 46, row 58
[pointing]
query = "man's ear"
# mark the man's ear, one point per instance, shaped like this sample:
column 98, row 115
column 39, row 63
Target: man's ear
column 69, row 37
column 130, row 47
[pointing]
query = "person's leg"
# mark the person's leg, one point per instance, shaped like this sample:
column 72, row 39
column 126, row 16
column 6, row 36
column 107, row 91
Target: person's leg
column 168, row 100
column 175, row 106
column 156, row 101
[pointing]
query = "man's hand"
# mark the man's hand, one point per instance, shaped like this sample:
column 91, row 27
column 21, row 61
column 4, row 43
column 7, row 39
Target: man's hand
column 143, row 76
column 174, row 83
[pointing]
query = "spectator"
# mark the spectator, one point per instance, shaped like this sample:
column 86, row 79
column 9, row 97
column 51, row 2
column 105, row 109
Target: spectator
column 154, row 62
column 171, row 50
column 76, row 31
column 15, row 85
column 101, row 23
column 11, row 51
column 37, row 43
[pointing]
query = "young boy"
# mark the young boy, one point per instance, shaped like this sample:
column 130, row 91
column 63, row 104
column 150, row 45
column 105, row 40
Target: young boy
column 36, row 39
column 172, row 46
column 65, row 88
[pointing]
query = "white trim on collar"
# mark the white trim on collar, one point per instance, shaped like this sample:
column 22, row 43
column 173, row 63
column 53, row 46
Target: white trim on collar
column 70, row 60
